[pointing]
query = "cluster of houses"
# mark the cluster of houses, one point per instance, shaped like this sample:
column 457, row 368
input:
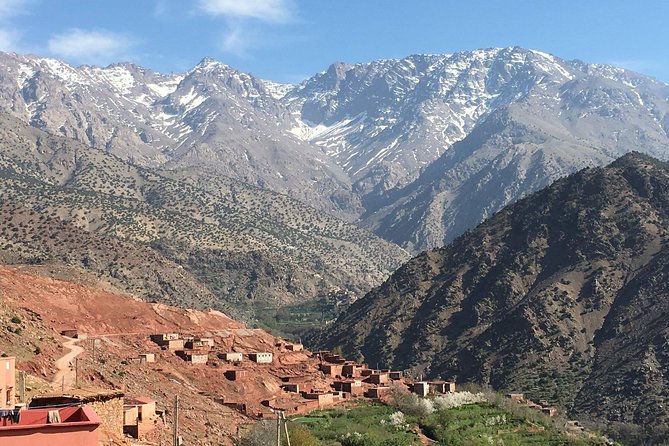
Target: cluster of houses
column 197, row 350
column 72, row 417
column 350, row 380
column 541, row 405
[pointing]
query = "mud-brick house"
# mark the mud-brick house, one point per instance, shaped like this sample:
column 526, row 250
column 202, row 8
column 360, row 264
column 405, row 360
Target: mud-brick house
column 192, row 356
column 421, row 388
column 294, row 347
column 378, row 378
column 395, row 375
column 377, row 392
column 235, row 375
column 107, row 404
column 231, row 356
column 143, row 409
column 261, row 357
column 168, row 341
column 7, row 382
column 324, row 398
column 331, row 369
column 354, row 387
column 440, row 387
column 517, row 397
column 294, row 387
column 146, row 357
column 550, row 411
column 296, row 379
column 199, row 344
column 60, row 426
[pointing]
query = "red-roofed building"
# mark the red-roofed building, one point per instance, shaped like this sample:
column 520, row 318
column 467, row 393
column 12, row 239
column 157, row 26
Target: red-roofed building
column 64, row 426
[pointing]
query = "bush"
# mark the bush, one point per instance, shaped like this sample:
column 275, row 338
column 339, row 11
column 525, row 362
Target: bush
column 16, row 320
column 300, row 436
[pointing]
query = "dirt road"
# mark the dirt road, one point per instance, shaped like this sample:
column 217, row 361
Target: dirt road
column 65, row 366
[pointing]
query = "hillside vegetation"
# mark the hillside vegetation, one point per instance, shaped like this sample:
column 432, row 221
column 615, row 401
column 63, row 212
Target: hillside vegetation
column 563, row 295
column 226, row 245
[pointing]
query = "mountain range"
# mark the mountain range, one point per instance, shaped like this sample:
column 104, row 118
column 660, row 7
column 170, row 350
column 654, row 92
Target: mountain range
column 562, row 295
column 162, row 235
column 418, row 149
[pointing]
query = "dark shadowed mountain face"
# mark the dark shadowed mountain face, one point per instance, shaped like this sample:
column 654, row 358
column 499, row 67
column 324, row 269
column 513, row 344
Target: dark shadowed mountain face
column 418, row 149
column 167, row 236
column 562, row 295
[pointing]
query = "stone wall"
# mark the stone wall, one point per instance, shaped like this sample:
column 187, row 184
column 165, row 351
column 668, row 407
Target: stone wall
column 110, row 412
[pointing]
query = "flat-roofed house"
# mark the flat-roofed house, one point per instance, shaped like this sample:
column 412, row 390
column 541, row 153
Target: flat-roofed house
column 232, row 356
column 261, row 357
column 7, row 382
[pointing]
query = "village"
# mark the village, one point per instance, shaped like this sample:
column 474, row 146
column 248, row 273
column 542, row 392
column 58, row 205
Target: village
column 100, row 368
column 300, row 382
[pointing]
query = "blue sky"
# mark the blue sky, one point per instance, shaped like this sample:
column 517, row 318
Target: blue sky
column 289, row 40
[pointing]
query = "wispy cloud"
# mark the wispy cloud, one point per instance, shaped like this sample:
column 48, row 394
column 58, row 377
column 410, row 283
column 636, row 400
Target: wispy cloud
column 237, row 40
column 11, row 8
column 97, row 47
column 246, row 22
column 9, row 35
column 273, row 11
column 9, row 40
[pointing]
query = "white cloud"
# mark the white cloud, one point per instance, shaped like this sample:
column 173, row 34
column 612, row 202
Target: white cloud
column 97, row 47
column 236, row 41
column 8, row 40
column 276, row 11
column 11, row 8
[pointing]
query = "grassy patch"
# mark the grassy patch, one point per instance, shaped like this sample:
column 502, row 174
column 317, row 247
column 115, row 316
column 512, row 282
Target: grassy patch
column 370, row 420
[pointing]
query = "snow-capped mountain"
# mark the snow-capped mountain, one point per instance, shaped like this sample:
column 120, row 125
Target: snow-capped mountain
column 384, row 121
column 418, row 149
column 211, row 118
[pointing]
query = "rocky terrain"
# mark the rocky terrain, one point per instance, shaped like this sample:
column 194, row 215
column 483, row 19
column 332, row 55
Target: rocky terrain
column 34, row 310
column 166, row 236
column 562, row 295
column 418, row 149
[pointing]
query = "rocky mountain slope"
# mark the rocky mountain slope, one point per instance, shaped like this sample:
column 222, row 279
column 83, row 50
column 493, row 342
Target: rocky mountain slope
column 34, row 310
column 210, row 116
column 562, row 295
column 417, row 149
column 222, row 245
column 437, row 143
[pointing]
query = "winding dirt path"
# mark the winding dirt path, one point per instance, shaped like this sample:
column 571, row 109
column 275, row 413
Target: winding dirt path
column 65, row 369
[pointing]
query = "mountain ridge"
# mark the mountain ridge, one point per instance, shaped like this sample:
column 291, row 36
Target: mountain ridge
column 560, row 295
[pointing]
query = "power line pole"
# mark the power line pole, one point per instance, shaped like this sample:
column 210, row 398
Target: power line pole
column 76, row 373
column 285, row 427
column 278, row 429
column 22, row 387
column 175, row 422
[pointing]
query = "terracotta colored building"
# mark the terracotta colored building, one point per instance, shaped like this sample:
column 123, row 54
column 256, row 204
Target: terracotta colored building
column 377, row 378
column 193, row 356
column 107, row 404
column 139, row 416
column 324, row 398
column 235, row 375
column 378, row 392
column 441, row 386
column 147, row 357
column 421, row 388
column 232, row 356
column 64, row 426
column 352, row 370
column 353, row 387
column 7, row 381
column 261, row 357
column 331, row 369
column 168, row 341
